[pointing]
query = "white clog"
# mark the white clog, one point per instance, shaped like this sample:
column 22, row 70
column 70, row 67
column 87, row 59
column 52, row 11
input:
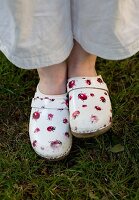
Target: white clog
column 89, row 106
column 49, row 126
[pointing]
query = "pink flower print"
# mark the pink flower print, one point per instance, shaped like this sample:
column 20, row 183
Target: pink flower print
column 75, row 114
column 103, row 99
column 92, row 95
column 71, row 84
column 70, row 97
column 94, row 119
column 105, row 93
column 98, row 108
column 84, row 106
column 88, row 82
column 65, row 121
column 67, row 102
column 50, row 128
column 50, row 116
column 36, row 130
column 36, row 115
column 56, row 144
column 67, row 134
column 34, row 144
column 99, row 80
column 82, row 96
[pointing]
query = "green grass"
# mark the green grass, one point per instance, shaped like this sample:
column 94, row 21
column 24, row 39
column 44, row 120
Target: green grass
column 91, row 171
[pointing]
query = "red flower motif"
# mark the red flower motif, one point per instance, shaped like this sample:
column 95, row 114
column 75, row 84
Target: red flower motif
column 103, row 99
column 82, row 96
column 67, row 102
column 56, row 143
column 94, row 119
column 98, row 108
column 99, row 80
column 70, row 97
column 75, row 114
column 67, row 134
column 71, row 84
column 88, row 82
column 92, row 95
column 65, row 121
column 50, row 116
column 84, row 106
column 36, row 115
column 36, row 130
column 34, row 143
column 50, row 128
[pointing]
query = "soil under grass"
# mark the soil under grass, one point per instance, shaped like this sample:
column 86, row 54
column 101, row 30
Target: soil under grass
column 93, row 170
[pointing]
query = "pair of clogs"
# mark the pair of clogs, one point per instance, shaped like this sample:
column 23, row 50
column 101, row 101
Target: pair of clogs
column 84, row 111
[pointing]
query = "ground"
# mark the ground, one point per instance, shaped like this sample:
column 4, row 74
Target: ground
column 105, row 168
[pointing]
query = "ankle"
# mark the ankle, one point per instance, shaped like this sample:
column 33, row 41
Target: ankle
column 53, row 79
column 81, row 71
column 85, row 67
column 81, row 63
column 54, row 87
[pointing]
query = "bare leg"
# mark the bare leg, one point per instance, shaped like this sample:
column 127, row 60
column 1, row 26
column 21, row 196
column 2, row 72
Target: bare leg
column 80, row 62
column 53, row 79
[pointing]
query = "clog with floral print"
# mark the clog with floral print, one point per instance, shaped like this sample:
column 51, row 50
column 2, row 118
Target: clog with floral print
column 49, row 126
column 89, row 106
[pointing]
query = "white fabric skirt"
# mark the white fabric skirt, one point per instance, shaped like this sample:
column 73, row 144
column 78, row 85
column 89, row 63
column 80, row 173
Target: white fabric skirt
column 39, row 33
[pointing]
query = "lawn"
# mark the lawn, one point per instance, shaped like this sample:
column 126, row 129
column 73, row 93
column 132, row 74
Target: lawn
column 104, row 168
